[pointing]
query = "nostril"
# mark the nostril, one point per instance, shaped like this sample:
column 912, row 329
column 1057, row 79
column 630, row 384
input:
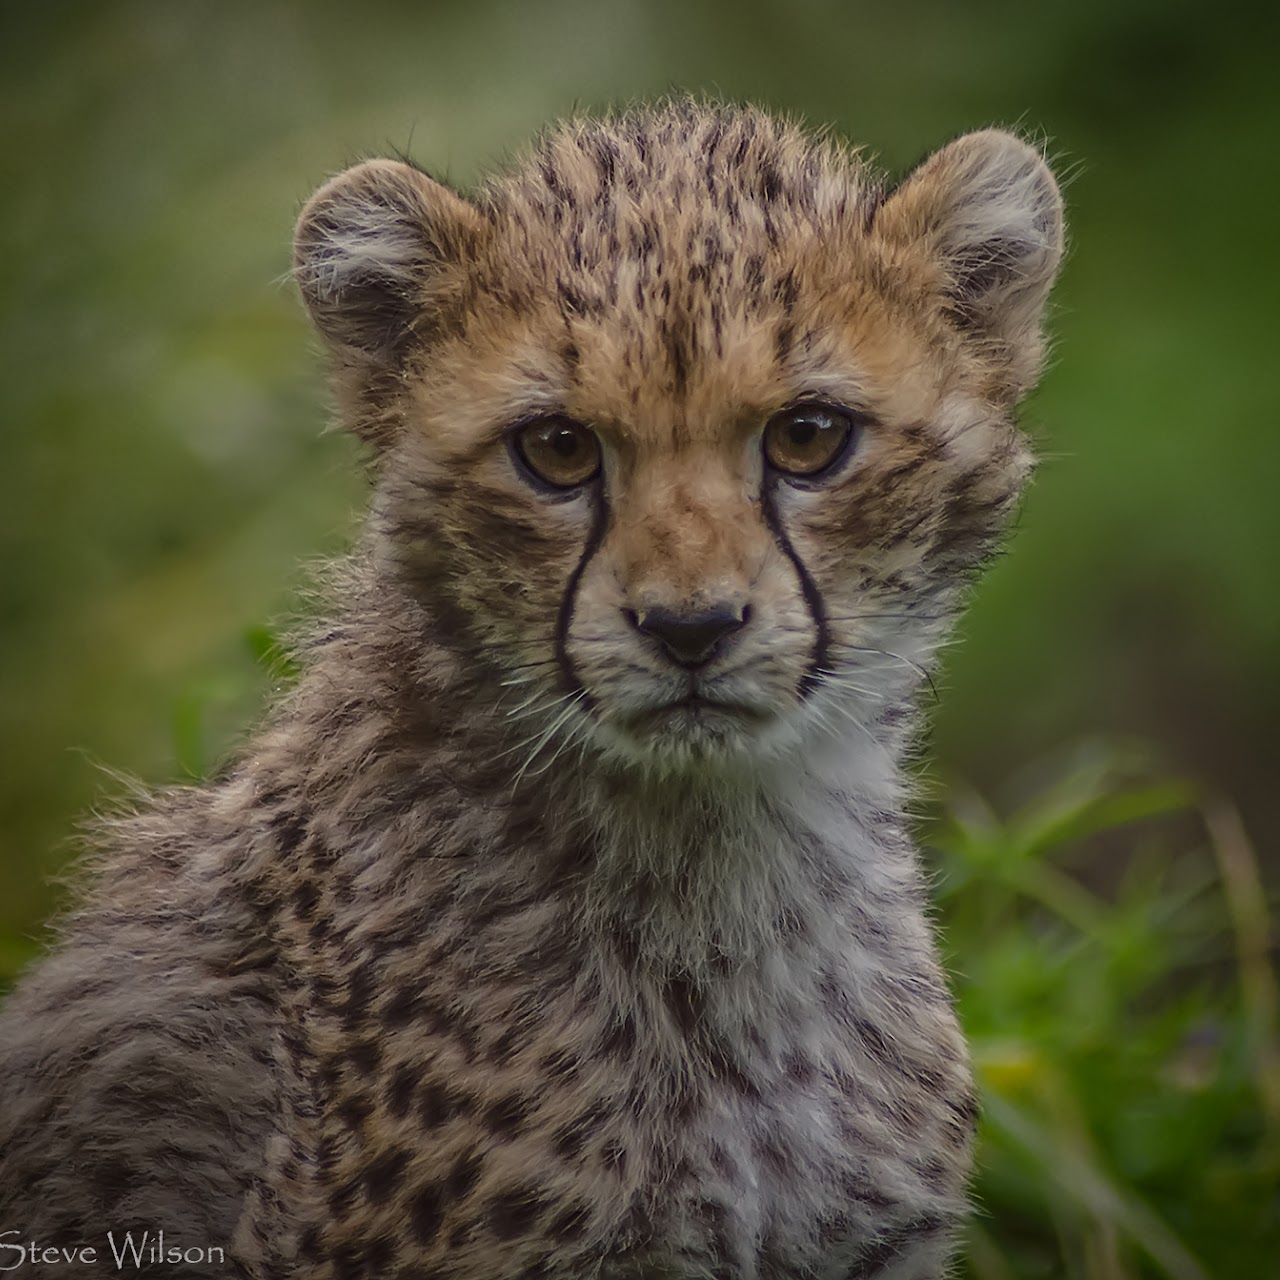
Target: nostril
column 690, row 638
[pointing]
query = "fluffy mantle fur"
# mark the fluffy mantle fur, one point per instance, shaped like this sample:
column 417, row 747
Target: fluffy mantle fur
column 514, row 946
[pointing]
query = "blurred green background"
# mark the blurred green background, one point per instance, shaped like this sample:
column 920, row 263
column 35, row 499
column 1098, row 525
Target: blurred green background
column 163, row 468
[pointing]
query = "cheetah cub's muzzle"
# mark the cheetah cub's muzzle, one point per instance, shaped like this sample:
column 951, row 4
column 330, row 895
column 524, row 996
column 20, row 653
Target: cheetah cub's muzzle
column 698, row 628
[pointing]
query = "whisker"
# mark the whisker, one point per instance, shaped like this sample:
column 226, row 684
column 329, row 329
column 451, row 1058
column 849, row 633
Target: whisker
column 526, row 666
column 847, row 713
column 895, row 617
column 528, row 707
column 923, row 672
column 571, row 704
column 574, row 737
column 832, row 676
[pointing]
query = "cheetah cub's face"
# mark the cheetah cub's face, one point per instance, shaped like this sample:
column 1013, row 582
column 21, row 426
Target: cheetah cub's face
column 689, row 429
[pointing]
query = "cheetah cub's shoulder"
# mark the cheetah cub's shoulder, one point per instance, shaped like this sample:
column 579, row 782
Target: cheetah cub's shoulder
column 563, row 921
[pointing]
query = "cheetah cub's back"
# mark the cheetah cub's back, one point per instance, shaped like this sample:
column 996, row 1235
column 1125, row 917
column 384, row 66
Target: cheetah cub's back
column 563, row 921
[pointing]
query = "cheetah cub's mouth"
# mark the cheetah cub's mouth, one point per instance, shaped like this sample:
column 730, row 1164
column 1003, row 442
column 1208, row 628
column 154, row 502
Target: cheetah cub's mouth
column 695, row 715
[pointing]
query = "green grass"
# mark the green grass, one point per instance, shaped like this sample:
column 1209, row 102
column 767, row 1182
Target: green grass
column 1110, row 945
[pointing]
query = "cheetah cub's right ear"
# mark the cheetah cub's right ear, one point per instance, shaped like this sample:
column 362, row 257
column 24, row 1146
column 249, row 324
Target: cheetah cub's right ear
column 381, row 255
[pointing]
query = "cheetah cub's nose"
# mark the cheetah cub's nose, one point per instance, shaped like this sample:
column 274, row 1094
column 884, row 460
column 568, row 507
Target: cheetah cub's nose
column 691, row 639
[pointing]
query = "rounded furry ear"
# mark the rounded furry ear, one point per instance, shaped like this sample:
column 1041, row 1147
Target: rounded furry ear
column 379, row 254
column 988, row 211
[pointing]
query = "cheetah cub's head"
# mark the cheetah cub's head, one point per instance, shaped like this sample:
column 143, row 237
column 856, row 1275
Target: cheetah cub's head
column 689, row 429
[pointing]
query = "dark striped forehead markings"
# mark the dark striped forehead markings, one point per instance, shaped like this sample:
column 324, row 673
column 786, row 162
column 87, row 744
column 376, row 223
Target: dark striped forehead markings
column 679, row 335
column 569, row 353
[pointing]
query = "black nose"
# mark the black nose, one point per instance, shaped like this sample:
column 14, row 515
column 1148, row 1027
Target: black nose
column 690, row 638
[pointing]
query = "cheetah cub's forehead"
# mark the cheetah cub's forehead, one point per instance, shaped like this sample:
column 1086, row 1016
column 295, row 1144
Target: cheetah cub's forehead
column 688, row 258
column 696, row 422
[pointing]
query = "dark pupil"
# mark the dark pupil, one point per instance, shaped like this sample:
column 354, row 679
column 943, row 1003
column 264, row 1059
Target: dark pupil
column 803, row 431
column 564, row 442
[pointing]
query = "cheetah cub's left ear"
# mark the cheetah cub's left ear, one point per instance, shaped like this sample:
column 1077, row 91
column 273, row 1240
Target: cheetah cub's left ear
column 381, row 254
column 987, row 211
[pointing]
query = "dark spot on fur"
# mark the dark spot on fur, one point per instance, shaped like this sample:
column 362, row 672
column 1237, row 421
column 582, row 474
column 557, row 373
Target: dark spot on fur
column 613, row 1156
column 620, row 1039
column 770, row 182
column 512, row 1039
column 354, row 1111
column 465, row 1174
column 115, row 1178
column 856, row 1188
column 798, row 1068
column 426, row 1213
column 305, row 897
column 400, row 1091
column 506, row 1116
column 560, row 1064
column 343, row 1197
column 935, row 1173
column 359, row 995
column 789, row 292
column 570, row 1222
column 782, row 339
column 686, row 1003
column 572, row 300
column 571, row 1136
column 440, row 1103
column 350, row 1263
column 365, row 1055
column 378, row 1253
column 401, row 1008
column 772, row 1156
column 513, row 1213
column 289, row 829
column 889, row 1247
column 383, row 1176
column 874, row 1042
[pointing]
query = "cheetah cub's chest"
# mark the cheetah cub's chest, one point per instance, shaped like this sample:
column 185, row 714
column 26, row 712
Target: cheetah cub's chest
column 792, row 1158
column 639, row 1093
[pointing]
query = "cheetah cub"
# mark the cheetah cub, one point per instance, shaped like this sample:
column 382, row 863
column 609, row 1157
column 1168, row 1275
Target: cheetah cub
column 563, row 921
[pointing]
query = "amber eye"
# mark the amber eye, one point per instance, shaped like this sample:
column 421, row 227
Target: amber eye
column 806, row 438
column 560, row 451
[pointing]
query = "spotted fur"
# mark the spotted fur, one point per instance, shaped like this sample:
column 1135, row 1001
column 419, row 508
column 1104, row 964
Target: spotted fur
column 511, row 947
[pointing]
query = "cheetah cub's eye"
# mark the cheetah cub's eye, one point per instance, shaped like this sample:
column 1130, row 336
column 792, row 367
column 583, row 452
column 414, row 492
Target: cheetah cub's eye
column 559, row 451
column 805, row 439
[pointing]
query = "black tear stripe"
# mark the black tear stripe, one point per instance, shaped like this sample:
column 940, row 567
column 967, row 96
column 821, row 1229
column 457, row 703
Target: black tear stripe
column 564, row 619
column 812, row 677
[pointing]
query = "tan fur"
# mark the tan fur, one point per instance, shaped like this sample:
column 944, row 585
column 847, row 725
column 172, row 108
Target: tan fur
column 527, row 964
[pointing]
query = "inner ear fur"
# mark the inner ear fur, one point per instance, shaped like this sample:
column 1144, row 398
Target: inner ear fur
column 380, row 255
column 988, row 210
